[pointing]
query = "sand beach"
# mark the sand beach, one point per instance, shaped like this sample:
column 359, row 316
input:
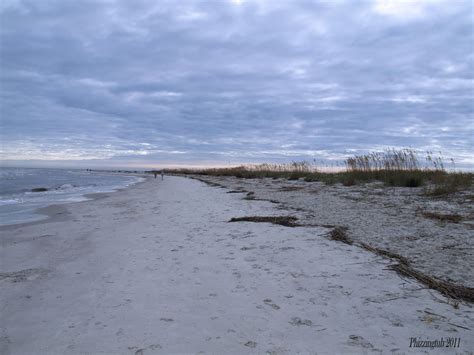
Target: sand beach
column 158, row 268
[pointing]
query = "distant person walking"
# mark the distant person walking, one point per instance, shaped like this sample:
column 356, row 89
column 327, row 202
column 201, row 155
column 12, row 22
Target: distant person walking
column 155, row 173
column 162, row 175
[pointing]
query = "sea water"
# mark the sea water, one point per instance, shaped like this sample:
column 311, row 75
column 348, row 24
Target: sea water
column 18, row 203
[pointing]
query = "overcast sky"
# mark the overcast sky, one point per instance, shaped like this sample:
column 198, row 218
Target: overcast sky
column 141, row 83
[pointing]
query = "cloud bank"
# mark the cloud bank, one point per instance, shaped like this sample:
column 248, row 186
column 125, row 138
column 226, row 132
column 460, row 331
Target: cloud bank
column 120, row 83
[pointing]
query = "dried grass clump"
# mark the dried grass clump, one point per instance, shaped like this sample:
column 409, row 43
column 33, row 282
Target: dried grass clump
column 385, row 253
column 290, row 188
column 449, row 289
column 287, row 221
column 453, row 218
column 250, row 196
column 339, row 234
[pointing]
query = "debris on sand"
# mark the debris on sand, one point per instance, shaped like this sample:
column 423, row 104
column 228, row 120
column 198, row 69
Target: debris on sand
column 453, row 218
column 385, row 253
column 250, row 196
column 287, row 221
column 449, row 289
column 291, row 188
column 339, row 233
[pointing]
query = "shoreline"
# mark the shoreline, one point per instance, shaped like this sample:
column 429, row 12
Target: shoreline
column 53, row 212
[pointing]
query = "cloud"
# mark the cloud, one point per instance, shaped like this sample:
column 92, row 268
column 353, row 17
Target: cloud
column 402, row 9
column 187, row 82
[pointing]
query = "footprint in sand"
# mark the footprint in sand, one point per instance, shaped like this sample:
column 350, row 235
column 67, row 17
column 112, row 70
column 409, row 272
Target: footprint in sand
column 167, row 319
column 142, row 350
column 357, row 340
column 247, row 248
column 23, row 275
column 270, row 303
column 296, row 321
column 251, row 344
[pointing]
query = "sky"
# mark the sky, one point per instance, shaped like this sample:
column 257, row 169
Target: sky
column 118, row 83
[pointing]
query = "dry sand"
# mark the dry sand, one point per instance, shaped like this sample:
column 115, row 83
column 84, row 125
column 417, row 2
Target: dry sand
column 157, row 268
column 393, row 219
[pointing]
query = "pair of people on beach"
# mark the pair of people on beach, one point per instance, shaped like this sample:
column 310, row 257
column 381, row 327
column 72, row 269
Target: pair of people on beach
column 162, row 174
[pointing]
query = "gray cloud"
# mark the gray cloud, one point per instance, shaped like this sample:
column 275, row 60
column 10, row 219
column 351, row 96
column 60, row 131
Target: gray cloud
column 115, row 82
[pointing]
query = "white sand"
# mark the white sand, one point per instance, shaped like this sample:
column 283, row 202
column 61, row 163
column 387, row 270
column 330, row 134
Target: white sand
column 383, row 217
column 156, row 268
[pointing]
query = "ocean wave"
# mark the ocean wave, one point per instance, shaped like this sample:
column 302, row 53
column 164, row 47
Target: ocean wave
column 63, row 186
column 8, row 202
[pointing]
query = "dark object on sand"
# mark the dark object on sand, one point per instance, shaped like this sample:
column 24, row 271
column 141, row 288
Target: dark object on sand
column 339, row 233
column 287, row 221
column 385, row 253
column 454, row 218
column 39, row 189
column 449, row 289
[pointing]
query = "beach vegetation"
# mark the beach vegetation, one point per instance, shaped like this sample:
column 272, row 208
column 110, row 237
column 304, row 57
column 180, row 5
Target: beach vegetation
column 393, row 167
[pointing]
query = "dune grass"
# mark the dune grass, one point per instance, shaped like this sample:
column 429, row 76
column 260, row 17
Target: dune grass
column 392, row 167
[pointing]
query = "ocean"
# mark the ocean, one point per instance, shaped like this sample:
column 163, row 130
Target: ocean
column 18, row 203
